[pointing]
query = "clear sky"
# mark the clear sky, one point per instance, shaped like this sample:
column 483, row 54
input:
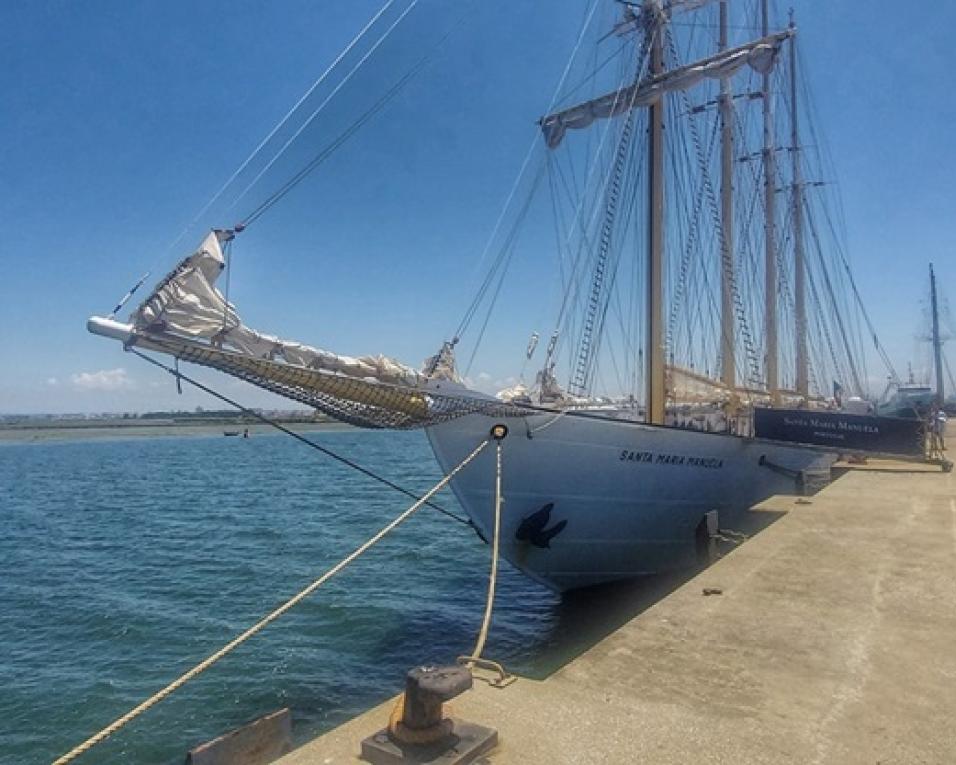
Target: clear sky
column 120, row 120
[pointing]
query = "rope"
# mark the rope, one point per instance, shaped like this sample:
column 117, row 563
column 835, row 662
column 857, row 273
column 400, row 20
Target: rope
column 264, row 622
column 476, row 301
column 374, row 109
column 255, row 152
column 298, row 437
column 318, row 110
column 493, row 577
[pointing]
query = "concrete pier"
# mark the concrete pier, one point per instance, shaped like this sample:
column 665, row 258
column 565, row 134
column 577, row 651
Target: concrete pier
column 833, row 640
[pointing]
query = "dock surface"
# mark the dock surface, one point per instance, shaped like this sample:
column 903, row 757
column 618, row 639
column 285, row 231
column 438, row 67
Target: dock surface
column 833, row 641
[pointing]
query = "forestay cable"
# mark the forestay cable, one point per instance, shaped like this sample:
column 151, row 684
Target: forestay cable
column 324, row 154
column 322, row 77
column 317, row 111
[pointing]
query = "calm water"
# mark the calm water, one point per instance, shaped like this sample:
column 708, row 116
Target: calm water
column 124, row 562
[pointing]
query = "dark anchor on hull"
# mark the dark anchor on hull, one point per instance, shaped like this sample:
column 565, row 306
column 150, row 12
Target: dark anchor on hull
column 532, row 528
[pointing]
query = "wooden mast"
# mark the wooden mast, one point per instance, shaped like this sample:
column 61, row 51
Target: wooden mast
column 654, row 354
column 727, row 352
column 651, row 92
column 799, row 260
column 770, row 233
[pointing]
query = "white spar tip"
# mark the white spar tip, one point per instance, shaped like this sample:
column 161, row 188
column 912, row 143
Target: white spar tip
column 116, row 330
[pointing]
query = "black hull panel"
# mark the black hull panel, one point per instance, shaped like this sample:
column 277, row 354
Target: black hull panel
column 839, row 430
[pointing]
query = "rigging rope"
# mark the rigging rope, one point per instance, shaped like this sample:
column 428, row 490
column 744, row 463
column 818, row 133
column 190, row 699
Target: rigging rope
column 840, row 325
column 585, row 357
column 265, row 621
column 502, row 262
column 328, row 98
column 581, row 219
column 325, row 153
column 476, row 301
column 297, row 436
column 222, row 190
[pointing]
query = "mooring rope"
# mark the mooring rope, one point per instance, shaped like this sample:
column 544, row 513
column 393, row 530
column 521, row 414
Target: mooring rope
column 493, row 576
column 265, row 621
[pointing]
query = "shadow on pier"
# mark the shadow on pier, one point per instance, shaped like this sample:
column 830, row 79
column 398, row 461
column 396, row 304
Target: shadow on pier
column 585, row 617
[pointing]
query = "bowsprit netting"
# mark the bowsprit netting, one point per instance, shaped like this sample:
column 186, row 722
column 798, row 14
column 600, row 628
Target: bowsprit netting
column 365, row 403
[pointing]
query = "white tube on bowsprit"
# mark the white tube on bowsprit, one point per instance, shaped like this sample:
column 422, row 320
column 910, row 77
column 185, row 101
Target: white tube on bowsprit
column 116, row 330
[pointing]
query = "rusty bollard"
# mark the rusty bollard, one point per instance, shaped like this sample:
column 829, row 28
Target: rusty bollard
column 418, row 732
column 426, row 689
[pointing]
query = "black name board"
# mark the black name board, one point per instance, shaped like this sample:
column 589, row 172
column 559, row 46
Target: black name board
column 853, row 432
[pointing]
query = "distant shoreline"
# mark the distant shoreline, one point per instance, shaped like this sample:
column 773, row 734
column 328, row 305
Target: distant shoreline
column 79, row 430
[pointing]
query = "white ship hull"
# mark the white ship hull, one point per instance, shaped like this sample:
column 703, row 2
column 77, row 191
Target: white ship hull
column 632, row 495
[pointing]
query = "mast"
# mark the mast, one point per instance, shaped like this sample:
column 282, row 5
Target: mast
column 727, row 352
column 650, row 92
column 937, row 343
column 799, row 260
column 770, row 267
column 654, row 355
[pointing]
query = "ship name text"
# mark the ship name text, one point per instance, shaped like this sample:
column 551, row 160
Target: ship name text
column 712, row 463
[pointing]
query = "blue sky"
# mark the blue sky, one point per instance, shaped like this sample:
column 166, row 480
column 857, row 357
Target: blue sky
column 122, row 119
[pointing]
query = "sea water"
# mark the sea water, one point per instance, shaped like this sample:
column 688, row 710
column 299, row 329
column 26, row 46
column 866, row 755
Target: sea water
column 124, row 562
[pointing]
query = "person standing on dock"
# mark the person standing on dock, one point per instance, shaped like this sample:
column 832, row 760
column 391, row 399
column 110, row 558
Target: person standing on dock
column 941, row 428
column 938, row 433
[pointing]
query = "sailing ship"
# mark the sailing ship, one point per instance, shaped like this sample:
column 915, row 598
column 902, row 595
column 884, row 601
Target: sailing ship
column 603, row 487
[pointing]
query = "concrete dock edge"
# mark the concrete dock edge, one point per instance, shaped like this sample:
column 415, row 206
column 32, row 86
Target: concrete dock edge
column 833, row 640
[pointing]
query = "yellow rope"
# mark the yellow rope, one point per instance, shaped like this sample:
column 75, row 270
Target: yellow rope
column 493, row 578
column 258, row 626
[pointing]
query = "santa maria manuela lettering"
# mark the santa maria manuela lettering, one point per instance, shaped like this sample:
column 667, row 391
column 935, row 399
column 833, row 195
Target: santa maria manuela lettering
column 713, row 463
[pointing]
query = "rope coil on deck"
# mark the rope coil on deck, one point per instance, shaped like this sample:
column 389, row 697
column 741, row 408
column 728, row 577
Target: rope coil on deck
column 202, row 666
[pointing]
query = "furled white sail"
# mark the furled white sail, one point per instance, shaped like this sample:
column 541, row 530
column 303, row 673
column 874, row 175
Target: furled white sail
column 187, row 303
column 759, row 55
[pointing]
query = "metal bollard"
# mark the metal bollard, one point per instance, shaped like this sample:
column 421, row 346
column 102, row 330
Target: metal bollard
column 418, row 732
column 426, row 688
